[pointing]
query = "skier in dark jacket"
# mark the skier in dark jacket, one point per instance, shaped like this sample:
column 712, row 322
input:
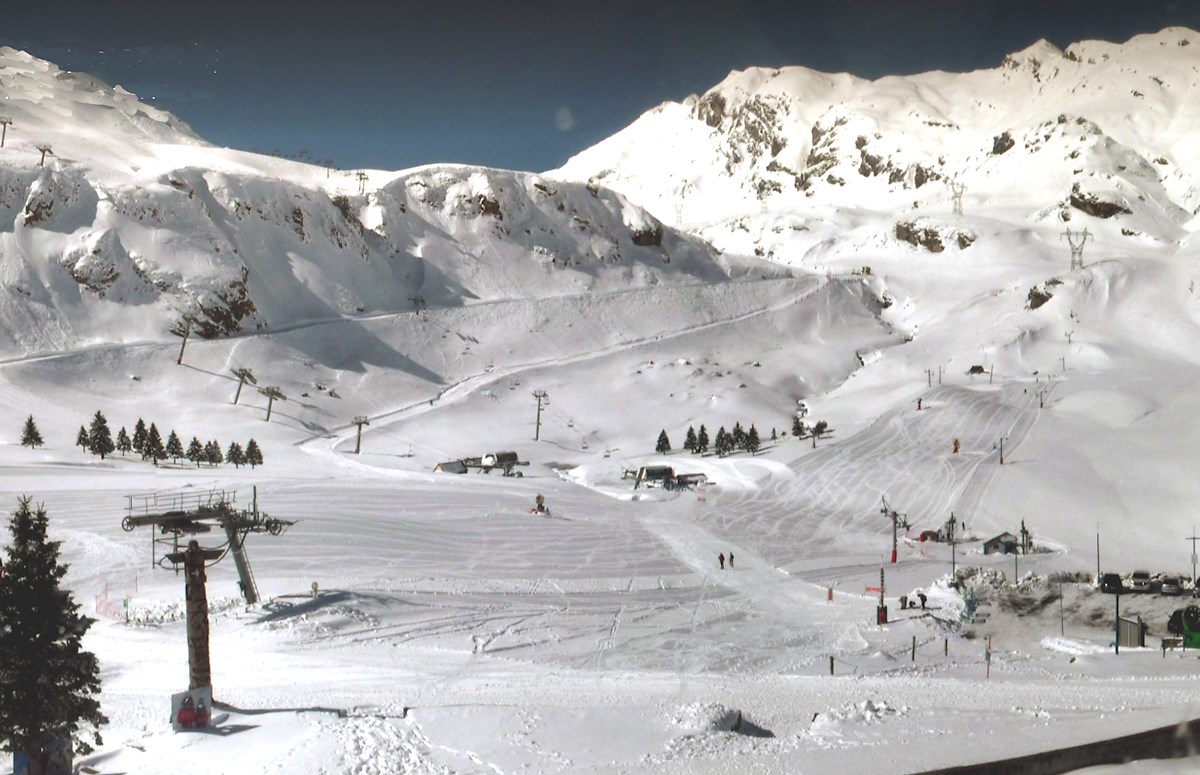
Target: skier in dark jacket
column 721, row 560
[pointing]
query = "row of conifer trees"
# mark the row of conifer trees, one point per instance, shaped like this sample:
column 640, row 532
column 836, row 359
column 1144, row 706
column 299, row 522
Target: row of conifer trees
column 149, row 443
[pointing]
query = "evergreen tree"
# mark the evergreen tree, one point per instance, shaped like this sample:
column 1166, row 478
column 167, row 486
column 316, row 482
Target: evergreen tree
column 48, row 683
column 797, row 427
column 153, row 448
column 820, row 429
column 702, row 440
column 195, row 452
column 81, row 438
column 139, row 438
column 721, row 442
column 689, row 443
column 253, row 454
column 235, row 454
column 99, row 437
column 212, row 452
column 664, row 444
column 752, row 442
column 30, row 436
column 174, row 447
column 738, row 437
column 123, row 444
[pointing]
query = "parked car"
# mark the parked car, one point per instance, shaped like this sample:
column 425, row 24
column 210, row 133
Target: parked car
column 1111, row 583
column 1171, row 586
column 1139, row 581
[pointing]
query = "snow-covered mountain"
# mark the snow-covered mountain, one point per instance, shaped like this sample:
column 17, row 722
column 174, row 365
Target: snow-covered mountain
column 128, row 216
column 1099, row 135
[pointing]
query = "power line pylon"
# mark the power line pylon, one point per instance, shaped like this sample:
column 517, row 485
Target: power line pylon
column 271, row 393
column 957, row 190
column 244, row 376
column 360, row 421
column 1076, row 240
column 542, row 397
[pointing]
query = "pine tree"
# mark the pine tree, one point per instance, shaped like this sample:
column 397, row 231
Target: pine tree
column 81, row 438
column 195, row 451
column 797, row 427
column 212, row 452
column 702, row 440
column 689, row 443
column 139, row 438
column 253, row 454
column 235, row 454
column 30, row 436
column 174, row 447
column 123, row 444
column 721, row 442
column 752, row 442
column 99, row 437
column 664, row 444
column 820, row 429
column 48, row 683
column 738, row 437
column 153, row 448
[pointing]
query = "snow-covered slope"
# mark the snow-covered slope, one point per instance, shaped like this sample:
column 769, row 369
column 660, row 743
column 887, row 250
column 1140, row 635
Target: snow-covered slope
column 966, row 368
column 1099, row 131
column 130, row 217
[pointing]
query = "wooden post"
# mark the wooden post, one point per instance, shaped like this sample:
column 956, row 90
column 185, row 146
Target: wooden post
column 831, row 665
column 914, row 649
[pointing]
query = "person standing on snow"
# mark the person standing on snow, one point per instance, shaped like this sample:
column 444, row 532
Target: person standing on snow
column 731, row 561
column 721, row 560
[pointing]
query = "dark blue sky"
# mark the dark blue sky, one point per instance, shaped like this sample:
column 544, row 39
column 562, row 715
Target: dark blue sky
column 521, row 85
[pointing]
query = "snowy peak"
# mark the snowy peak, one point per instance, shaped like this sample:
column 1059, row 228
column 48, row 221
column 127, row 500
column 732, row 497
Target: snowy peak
column 1100, row 131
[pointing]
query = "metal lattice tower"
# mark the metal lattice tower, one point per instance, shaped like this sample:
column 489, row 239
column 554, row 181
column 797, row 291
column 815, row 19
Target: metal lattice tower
column 1076, row 240
column 956, row 191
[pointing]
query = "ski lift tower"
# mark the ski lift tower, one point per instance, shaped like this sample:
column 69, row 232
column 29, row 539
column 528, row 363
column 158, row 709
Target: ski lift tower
column 176, row 521
column 898, row 521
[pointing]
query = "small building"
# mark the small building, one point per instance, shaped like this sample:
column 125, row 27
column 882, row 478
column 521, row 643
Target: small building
column 977, row 369
column 663, row 476
column 1005, row 543
column 451, row 467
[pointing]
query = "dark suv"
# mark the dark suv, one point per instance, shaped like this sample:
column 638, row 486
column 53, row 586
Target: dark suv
column 1111, row 582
